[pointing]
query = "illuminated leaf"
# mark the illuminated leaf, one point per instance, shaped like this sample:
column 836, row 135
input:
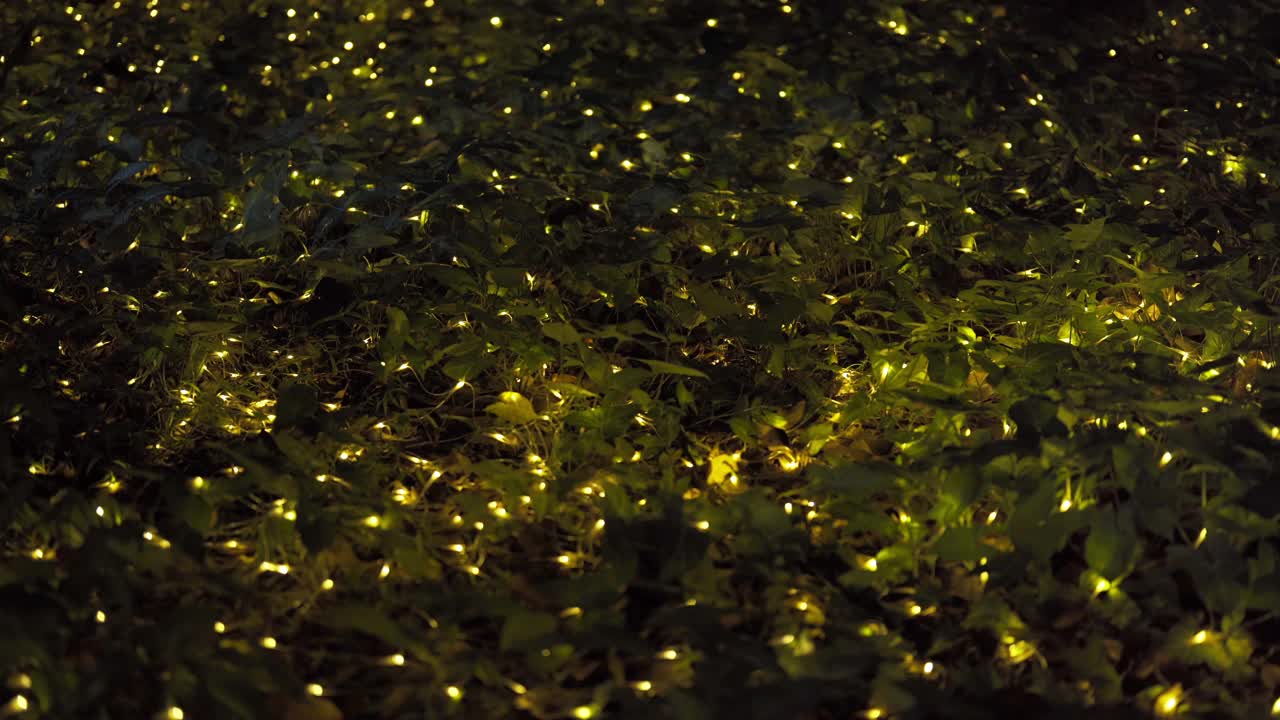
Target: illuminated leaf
column 513, row 407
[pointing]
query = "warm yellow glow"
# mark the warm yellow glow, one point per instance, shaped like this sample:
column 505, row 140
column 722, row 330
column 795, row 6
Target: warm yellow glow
column 1200, row 637
column 1165, row 458
column 315, row 689
column 1167, row 701
column 454, row 692
column 583, row 712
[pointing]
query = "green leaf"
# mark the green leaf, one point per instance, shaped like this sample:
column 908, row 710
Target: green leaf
column 711, row 302
column 514, row 408
column 1112, row 547
column 961, row 544
column 563, row 333
column 397, row 331
column 852, row 480
column 662, row 366
column 366, row 619
column 1084, row 236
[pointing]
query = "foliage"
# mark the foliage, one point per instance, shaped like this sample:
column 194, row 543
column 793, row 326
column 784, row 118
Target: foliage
column 398, row 359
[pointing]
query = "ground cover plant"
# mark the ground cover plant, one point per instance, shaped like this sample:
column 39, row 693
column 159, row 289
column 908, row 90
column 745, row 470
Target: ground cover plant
column 642, row 359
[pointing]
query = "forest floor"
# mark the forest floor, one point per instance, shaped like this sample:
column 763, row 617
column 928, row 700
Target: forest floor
column 643, row 359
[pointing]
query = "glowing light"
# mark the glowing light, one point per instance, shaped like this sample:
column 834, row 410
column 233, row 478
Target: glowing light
column 454, row 692
column 495, row 21
column 583, row 712
column 1167, row 702
column 1166, row 458
column 315, row 689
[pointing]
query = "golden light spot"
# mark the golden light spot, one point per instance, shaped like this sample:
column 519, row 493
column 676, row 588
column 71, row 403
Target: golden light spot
column 1167, row 702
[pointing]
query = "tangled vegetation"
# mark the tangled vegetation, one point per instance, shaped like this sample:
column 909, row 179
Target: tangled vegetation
column 653, row 359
